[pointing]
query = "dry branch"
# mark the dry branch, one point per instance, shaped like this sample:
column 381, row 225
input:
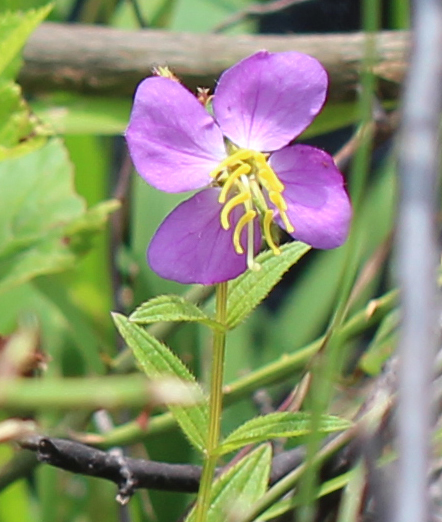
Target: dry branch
column 131, row 474
column 107, row 61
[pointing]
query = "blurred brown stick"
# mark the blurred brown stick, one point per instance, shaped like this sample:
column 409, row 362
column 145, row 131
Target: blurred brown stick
column 107, row 61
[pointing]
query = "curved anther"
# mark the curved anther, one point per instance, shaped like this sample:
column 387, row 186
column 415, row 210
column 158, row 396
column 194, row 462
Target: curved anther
column 245, row 218
column 244, row 168
column 230, row 161
column 266, row 226
column 288, row 226
column 278, row 201
column 281, row 205
column 269, row 179
column 239, row 199
column 247, row 179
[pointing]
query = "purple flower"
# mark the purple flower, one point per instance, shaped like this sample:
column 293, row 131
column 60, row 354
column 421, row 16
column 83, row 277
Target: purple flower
column 242, row 159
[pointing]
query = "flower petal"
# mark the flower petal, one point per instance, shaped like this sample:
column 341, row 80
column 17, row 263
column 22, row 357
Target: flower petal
column 173, row 141
column 318, row 205
column 191, row 247
column 268, row 99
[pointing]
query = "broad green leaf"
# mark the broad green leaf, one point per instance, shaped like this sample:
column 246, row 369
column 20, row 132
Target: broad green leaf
column 236, row 490
column 157, row 360
column 171, row 308
column 69, row 114
column 279, row 424
column 20, row 131
column 250, row 288
column 45, row 225
column 15, row 29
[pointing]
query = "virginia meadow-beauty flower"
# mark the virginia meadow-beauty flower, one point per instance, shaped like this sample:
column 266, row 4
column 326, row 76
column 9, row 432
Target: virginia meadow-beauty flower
column 242, row 157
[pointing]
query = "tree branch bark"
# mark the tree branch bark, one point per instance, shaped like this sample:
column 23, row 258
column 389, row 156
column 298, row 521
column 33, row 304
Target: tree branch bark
column 131, row 474
column 107, row 61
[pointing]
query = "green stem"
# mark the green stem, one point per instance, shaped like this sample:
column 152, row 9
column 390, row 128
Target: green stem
column 215, row 406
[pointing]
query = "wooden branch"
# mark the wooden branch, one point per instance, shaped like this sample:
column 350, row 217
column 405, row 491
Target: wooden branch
column 131, row 474
column 107, row 61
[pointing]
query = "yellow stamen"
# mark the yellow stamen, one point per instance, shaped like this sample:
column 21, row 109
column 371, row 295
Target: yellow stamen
column 270, row 179
column 267, row 222
column 242, row 169
column 281, row 205
column 278, row 200
column 246, row 178
column 288, row 226
column 237, row 156
column 230, row 205
column 248, row 217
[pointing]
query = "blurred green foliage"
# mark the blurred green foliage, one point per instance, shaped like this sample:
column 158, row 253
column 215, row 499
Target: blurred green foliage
column 60, row 165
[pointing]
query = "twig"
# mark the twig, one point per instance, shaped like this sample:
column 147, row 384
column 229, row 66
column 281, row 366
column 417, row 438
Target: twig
column 130, row 474
column 127, row 473
column 108, row 61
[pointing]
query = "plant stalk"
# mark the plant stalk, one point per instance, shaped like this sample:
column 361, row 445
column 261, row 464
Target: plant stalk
column 215, row 406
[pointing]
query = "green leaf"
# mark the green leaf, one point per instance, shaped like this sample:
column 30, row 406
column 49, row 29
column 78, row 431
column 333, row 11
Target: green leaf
column 250, row 288
column 15, row 29
column 171, row 308
column 157, row 360
column 279, row 424
column 44, row 222
column 236, row 490
column 80, row 234
column 20, row 131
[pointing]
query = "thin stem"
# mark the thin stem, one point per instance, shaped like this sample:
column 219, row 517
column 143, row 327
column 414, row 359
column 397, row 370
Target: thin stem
column 215, row 406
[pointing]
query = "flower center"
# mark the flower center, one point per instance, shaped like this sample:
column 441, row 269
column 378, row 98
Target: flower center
column 246, row 179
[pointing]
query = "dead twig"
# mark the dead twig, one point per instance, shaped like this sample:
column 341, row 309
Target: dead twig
column 108, row 61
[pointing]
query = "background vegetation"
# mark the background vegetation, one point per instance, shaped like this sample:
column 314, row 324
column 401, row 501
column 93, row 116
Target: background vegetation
column 74, row 226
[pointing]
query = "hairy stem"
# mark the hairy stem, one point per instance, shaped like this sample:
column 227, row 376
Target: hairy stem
column 215, row 406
